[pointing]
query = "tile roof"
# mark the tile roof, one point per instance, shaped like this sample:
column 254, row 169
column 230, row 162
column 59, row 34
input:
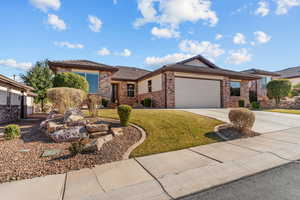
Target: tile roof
column 261, row 72
column 129, row 73
column 290, row 72
column 81, row 64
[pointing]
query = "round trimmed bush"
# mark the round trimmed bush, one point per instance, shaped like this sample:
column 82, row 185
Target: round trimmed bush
column 12, row 131
column 71, row 80
column 242, row 119
column 124, row 112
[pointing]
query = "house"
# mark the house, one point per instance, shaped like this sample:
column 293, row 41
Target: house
column 16, row 100
column 292, row 74
column 192, row 83
column 258, row 88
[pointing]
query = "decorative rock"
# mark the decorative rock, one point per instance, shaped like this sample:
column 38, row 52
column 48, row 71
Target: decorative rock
column 92, row 128
column 77, row 123
column 52, row 127
column 117, row 131
column 96, row 145
column 98, row 134
column 51, row 152
column 73, row 115
column 53, row 114
column 70, row 134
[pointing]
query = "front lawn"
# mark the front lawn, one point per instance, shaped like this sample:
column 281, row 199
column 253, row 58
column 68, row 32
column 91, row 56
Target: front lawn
column 288, row 111
column 169, row 130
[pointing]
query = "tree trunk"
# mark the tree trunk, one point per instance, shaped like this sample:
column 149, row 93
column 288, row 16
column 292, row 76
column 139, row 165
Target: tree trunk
column 42, row 105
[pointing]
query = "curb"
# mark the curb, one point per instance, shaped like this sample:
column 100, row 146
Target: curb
column 134, row 146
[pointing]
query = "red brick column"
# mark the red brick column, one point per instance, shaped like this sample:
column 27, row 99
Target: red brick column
column 225, row 92
column 169, row 89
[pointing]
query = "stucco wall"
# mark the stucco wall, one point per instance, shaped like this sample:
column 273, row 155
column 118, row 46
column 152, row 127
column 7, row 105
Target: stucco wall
column 3, row 95
column 156, row 84
column 295, row 81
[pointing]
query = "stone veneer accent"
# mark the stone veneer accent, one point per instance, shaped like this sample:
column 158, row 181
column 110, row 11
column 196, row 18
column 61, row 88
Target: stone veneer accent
column 157, row 98
column 105, row 84
column 9, row 113
column 169, row 88
column 122, row 94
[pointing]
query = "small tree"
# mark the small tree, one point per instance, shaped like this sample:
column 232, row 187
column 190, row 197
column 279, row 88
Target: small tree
column 242, row 119
column 92, row 101
column 66, row 98
column 71, row 80
column 278, row 88
column 39, row 77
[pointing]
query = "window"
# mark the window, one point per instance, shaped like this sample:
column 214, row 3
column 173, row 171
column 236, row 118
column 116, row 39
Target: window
column 150, row 86
column 235, row 89
column 264, row 81
column 130, row 90
column 92, row 79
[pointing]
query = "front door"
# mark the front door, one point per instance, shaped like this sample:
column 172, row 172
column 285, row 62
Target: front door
column 114, row 94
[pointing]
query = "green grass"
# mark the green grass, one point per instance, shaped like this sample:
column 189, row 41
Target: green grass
column 285, row 111
column 169, row 130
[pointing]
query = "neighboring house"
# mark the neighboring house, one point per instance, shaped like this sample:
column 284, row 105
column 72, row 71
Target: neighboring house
column 293, row 74
column 259, row 87
column 192, row 83
column 16, row 100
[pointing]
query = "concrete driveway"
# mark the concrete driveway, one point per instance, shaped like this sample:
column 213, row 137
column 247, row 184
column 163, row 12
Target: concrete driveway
column 265, row 121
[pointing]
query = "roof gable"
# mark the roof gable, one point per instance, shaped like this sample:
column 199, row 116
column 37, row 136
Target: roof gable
column 199, row 61
column 290, row 72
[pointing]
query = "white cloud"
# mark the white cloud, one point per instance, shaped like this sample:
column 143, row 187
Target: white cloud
column 45, row 5
column 219, row 37
column 56, row 22
column 164, row 33
column 239, row 38
column 238, row 57
column 125, row 53
column 168, row 59
column 95, row 23
column 262, row 37
column 69, row 45
column 104, row 52
column 283, row 6
column 175, row 12
column 263, row 9
column 205, row 48
column 13, row 63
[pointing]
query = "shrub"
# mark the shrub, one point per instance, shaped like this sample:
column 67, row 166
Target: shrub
column 92, row 101
column 124, row 112
column 12, row 131
column 255, row 105
column 278, row 88
column 242, row 119
column 104, row 103
column 147, row 102
column 241, row 103
column 77, row 147
column 66, row 98
column 71, row 80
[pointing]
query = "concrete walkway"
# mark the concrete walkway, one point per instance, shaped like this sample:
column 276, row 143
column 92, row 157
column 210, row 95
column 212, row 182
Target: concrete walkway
column 265, row 121
column 164, row 176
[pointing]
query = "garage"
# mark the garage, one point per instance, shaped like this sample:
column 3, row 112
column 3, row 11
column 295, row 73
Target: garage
column 197, row 93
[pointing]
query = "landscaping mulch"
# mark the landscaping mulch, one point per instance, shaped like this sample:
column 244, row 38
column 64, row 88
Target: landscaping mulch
column 231, row 133
column 21, row 158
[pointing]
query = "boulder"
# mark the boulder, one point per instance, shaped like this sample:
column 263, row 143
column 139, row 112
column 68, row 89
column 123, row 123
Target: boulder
column 73, row 115
column 92, row 128
column 97, row 144
column 52, row 127
column 82, row 122
column 117, row 131
column 70, row 134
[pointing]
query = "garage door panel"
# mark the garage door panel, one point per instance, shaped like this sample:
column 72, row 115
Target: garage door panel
column 197, row 93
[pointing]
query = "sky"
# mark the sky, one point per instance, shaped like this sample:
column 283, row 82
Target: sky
column 234, row 34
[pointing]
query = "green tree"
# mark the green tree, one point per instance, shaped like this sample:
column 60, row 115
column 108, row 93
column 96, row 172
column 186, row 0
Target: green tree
column 40, row 77
column 279, row 88
column 71, row 80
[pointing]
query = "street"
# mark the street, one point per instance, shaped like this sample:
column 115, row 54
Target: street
column 282, row 183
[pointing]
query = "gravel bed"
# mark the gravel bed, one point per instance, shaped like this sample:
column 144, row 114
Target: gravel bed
column 16, row 165
column 229, row 132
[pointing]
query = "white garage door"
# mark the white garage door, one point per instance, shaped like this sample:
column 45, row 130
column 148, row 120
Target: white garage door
column 197, row 93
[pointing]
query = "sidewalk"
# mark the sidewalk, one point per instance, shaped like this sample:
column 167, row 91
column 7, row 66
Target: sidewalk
column 164, row 176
